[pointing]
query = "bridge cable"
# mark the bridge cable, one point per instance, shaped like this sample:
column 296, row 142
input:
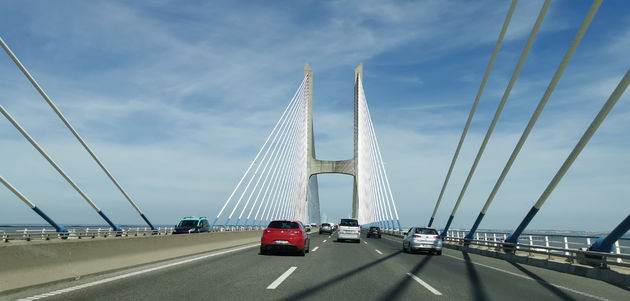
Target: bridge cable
column 74, row 132
column 497, row 114
column 474, row 106
column 610, row 103
column 282, row 128
column 31, row 205
column 56, row 166
column 256, row 157
column 378, row 150
column 530, row 125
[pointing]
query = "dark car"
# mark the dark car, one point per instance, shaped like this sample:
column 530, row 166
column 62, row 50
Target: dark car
column 192, row 224
column 374, row 232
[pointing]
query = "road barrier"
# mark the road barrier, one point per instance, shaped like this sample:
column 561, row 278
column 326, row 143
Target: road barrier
column 33, row 263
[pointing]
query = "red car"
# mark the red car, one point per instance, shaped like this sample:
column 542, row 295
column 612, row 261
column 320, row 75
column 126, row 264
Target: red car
column 283, row 235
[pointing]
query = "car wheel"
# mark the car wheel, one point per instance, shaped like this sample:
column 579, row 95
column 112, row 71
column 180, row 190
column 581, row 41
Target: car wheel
column 262, row 251
column 404, row 248
column 303, row 252
column 308, row 248
column 439, row 253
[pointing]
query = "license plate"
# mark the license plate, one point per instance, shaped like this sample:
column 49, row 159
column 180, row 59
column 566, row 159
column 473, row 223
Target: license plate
column 281, row 242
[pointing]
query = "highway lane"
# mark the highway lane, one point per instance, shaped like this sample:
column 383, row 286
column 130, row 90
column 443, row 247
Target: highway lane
column 377, row 270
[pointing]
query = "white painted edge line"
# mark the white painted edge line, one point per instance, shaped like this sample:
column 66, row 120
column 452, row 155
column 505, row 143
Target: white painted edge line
column 530, row 278
column 123, row 276
column 379, row 252
column 426, row 285
column 315, row 249
column 324, row 240
column 365, row 242
column 280, row 279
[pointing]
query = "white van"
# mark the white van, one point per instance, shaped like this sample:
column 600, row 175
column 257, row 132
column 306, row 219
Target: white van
column 349, row 229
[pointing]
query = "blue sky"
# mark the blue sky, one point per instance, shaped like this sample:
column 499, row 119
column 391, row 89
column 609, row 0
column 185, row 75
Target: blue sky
column 177, row 97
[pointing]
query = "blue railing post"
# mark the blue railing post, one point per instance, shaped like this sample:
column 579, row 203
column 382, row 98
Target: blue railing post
column 237, row 222
column 513, row 238
column 605, row 243
column 116, row 228
column 448, row 225
column 474, row 227
column 214, row 222
column 399, row 227
column 226, row 222
column 49, row 220
column 147, row 221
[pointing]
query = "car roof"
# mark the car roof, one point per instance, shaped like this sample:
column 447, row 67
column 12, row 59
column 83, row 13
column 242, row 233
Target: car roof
column 194, row 218
column 425, row 228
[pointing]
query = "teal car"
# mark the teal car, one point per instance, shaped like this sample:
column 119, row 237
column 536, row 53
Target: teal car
column 192, row 224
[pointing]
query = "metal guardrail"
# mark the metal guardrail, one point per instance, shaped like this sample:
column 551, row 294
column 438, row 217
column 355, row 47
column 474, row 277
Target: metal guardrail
column 48, row 234
column 495, row 241
column 77, row 233
column 582, row 256
column 568, row 242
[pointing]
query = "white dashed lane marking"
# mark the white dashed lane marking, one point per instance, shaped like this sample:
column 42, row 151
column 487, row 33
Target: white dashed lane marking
column 280, row 279
column 315, row 249
column 426, row 285
column 379, row 252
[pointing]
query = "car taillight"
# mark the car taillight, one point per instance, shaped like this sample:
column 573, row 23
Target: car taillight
column 359, row 230
column 435, row 237
column 417, row 235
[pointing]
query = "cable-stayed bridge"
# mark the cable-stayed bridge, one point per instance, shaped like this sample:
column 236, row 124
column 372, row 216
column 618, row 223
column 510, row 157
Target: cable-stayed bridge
column 281, row 183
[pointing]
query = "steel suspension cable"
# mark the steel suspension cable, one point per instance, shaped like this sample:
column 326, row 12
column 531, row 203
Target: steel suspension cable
column 256, row 157
column 532, row 121
column 497, row 114
column 69, row 126
column 380, row 156
column 474, row 106
column 56, row 166
column 590, row 131
column 283, row 130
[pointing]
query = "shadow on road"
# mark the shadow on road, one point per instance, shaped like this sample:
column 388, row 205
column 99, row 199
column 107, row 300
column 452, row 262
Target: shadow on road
column 478, row 291
column 556, row 291
column 309, row 291
column 395, row 292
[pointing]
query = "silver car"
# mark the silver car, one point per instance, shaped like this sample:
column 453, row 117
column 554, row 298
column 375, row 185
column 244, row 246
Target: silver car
column 326, row 228
column 422, row 239
column 349, row 229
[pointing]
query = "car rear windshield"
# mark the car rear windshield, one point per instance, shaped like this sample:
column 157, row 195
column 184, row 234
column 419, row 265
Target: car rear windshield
column 325, row 224
column 375, row 228
column 283, row 225
column 349, row 222
column 426, row 231
column 188, row 223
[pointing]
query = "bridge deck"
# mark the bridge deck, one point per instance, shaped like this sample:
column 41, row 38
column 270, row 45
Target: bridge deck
column 375, row 269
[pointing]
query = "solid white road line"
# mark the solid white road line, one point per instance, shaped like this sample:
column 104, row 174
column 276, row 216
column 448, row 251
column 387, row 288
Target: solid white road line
column 530, row 278
column 379, row 252
column 123, row 276
column 280, row 279
column 426, row 285
column 324, row 240
column 315, row 249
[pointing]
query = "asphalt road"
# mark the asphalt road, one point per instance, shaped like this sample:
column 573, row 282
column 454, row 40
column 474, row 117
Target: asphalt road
column 374, row 269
